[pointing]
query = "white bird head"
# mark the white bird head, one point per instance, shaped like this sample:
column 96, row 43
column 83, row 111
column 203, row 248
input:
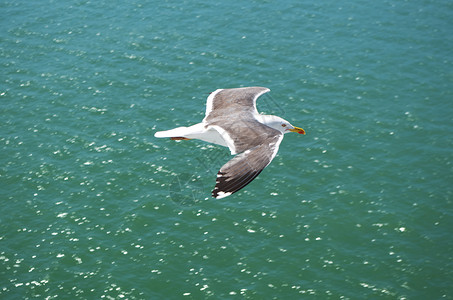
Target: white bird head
column 280, row 124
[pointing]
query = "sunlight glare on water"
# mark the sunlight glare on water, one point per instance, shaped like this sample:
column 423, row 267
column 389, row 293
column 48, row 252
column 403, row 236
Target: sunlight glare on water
column 93, row 206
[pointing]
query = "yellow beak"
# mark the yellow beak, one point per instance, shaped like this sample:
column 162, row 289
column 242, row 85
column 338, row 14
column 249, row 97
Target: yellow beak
column 298, row 130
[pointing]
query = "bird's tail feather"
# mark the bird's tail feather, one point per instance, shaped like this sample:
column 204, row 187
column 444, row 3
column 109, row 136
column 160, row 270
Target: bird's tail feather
column 177, row 132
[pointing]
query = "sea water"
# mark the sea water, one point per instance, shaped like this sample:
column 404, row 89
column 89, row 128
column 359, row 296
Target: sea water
column 94, row 207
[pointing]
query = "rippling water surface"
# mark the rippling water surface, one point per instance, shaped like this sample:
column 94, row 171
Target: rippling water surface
column 93, row 206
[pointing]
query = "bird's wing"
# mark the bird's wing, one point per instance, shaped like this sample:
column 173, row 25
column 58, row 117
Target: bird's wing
column 230, row 102
column 245, row 167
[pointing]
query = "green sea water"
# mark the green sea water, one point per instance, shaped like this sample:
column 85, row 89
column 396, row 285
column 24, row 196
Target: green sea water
column 94, row 207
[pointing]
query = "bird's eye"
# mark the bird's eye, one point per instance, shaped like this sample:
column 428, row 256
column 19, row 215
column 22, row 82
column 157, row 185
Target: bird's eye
column 283, row 125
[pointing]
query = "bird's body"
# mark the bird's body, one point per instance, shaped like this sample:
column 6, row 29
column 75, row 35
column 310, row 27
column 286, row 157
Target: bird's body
column 232, row 121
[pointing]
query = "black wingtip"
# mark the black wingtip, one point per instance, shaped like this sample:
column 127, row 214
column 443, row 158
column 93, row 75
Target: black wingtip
column 226, row 186
column 218, row 192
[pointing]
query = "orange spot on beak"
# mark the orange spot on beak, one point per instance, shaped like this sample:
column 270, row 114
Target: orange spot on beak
column 298, row 130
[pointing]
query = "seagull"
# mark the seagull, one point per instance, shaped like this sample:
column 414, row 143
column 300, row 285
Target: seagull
column 233, row 121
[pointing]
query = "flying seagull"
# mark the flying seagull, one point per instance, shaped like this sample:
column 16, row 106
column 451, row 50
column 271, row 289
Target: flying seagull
column 232, row 121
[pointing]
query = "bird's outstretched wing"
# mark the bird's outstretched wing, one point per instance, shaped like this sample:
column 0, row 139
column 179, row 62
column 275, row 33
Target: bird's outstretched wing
column 230, row 102
column 245, row 167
